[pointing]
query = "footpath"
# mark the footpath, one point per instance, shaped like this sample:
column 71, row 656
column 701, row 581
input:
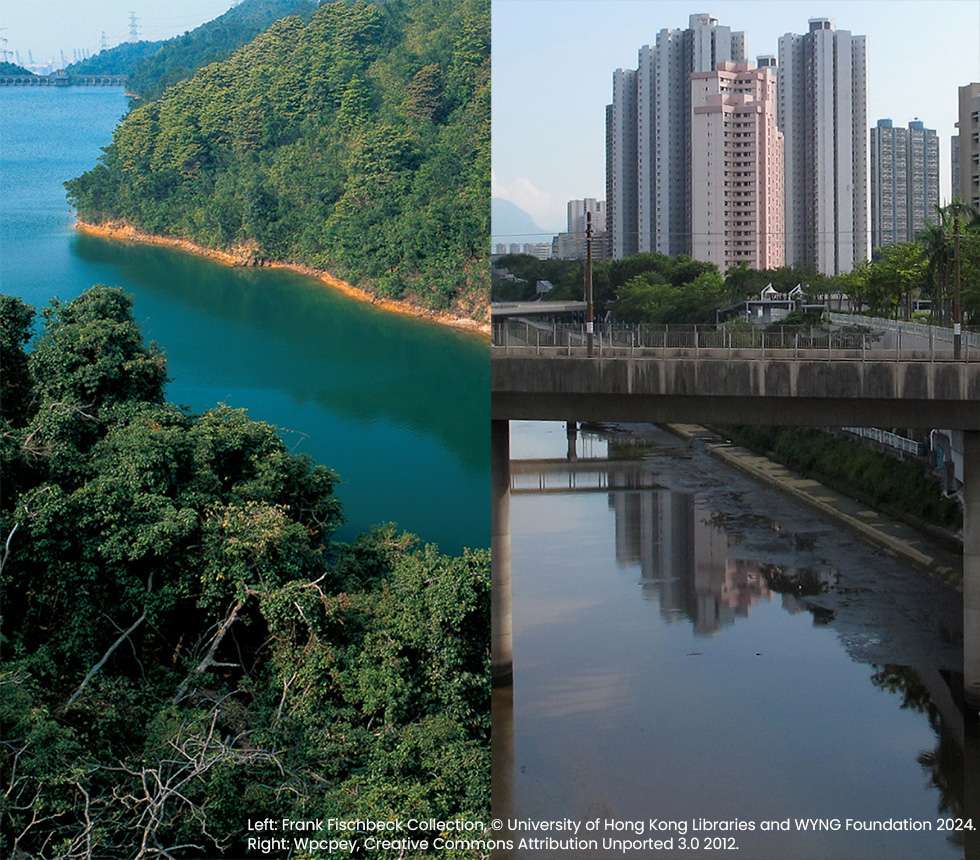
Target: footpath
column 894, row 537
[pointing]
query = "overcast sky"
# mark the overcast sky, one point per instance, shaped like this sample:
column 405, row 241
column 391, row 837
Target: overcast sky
column 553, row 62
column 49, row 26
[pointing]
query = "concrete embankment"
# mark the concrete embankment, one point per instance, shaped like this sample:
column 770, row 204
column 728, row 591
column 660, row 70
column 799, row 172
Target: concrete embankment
column 896, row 538
column 244, row 256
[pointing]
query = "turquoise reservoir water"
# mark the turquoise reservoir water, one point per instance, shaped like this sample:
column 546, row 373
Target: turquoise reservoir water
column 397, row 406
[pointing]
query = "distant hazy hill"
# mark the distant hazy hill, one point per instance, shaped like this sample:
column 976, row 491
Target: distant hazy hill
column 510, row 223
column 13, row 69
column 120, row 60
column 153, row 66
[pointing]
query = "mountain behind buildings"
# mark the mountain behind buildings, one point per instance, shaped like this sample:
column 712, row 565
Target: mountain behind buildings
column 508, row 222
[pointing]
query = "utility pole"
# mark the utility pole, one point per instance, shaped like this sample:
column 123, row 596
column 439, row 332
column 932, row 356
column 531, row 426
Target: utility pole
column 957, row 310
column 589, row 307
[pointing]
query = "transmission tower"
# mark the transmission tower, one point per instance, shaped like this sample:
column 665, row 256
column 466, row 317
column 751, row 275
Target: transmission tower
column 134, row 27
column 4, row 53
column 103, row 42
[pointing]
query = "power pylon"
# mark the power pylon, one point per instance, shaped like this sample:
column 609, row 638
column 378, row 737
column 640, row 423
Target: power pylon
column 134, row 27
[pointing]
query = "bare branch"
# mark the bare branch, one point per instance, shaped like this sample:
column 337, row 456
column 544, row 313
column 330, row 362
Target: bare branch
column 208, row 660
column 95, row 669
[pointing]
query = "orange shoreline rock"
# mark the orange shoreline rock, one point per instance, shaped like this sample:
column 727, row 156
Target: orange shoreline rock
column 244, row 255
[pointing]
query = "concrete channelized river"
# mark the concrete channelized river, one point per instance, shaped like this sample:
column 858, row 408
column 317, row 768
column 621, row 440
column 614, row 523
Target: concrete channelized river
column 690, row 642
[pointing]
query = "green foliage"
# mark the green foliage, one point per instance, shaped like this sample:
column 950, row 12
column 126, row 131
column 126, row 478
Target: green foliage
column 356, row 142
column 182, row 645
column 897, row 487
column 7, row 68
column 609, row 285
column 741, row 282
column 180, row 57
column 120, row 60
column 650, row 298
column 955, row 234
column 15, row 382
column 92, row 354
column 151, row 67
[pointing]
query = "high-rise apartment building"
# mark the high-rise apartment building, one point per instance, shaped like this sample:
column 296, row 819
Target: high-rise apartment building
column 609, row 181
column 822, row 110
column 621, row 164
column 651, row 118
column 969, row 134
column 954, row 165
column 923, row 177
column 576, row 215
column 736, row 166
column 904, row 181
column 571, row 245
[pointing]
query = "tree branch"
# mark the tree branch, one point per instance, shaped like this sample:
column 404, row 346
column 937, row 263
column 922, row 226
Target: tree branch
column 95, row 669
column 208, row 660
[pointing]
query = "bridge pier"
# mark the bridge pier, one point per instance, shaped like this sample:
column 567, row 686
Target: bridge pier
column 502, row 762
column 971, row 569
column 501, row 646
column 571, row 433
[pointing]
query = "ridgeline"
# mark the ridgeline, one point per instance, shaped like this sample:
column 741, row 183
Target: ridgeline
column 355, row 143
column 153, row 66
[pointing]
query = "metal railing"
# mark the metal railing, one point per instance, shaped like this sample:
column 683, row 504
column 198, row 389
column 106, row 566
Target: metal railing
column 708, row 342
column 940, row 333
column 890, row 440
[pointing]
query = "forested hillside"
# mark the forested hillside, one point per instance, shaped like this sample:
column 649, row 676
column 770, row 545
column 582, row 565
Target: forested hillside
column 179, row 58
column 13, row 69
column 357, row 143
column 153, row 66
column 183, row 647
column 120, row 60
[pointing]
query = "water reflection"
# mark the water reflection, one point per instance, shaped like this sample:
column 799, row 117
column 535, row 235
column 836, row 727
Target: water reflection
column 743, row 692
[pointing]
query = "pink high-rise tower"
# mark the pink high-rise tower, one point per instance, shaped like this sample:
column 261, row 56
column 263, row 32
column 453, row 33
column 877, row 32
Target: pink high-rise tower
column 737, row 167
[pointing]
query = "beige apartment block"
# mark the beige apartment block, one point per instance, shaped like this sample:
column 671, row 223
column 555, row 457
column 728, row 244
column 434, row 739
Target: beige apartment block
column 969, row 144
column 737, row 167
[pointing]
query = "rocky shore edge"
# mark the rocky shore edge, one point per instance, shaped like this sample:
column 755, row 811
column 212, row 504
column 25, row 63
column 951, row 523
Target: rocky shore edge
column 245, row 256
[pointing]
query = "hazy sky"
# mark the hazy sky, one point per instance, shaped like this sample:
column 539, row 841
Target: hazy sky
column 553, row 62
column 49, row 26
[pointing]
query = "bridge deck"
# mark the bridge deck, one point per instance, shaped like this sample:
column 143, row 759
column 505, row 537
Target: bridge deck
column 675, row 385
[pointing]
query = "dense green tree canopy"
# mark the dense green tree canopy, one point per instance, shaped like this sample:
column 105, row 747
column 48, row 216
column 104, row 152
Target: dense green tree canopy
column 638, row 287
column 7, row 68
column 180, row 57
column 120, row 60
column 153, row 66
column 182, row 645
column 357, row 143
column 641, row 288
